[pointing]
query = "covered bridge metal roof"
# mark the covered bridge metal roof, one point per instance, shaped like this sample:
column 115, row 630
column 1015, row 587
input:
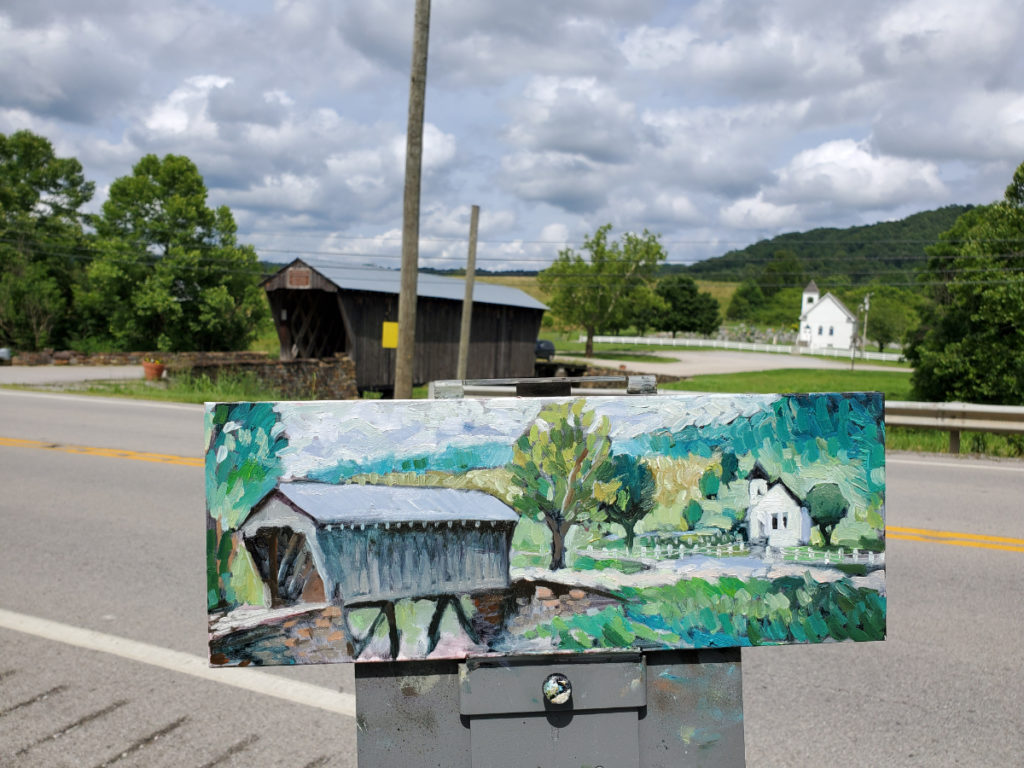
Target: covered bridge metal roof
column 371, row 504
column 378, row 280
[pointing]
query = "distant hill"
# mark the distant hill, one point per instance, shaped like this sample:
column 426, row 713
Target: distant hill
column 892, row 251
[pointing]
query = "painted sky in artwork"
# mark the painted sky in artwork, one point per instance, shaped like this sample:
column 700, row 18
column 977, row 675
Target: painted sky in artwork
column 320, row 438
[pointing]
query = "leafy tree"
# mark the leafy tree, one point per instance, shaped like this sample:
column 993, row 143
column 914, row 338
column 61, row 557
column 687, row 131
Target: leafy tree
column 709, row 483
column 595, row 292
column 971, row 344
column 554, row 464
column 170, row 274
column 42, row 242
column 625, row 492
column 890, row 318
column 783, row 271
column 646, row 308
column 693, row 513
column 827, row 506
column 746, row 302
column 244, row 442
column 688, row 308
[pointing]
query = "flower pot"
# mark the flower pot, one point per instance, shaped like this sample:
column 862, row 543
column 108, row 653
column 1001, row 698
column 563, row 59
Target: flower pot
column 153, row 371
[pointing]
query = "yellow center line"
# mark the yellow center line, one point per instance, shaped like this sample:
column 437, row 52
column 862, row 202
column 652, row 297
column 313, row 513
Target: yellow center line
column 951, row 538
column 110, row 453
column 955, row 539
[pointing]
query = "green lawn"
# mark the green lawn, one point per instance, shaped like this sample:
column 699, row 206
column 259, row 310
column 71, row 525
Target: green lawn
column 895, row 385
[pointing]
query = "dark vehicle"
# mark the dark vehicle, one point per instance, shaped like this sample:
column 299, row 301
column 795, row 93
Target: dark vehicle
column 544, row 349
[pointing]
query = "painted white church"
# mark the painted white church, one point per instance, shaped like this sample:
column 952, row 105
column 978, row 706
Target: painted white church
column 775, row 514
column 824, row 321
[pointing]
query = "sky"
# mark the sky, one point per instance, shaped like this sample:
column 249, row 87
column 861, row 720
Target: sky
column 714, row 124
column 320, row 437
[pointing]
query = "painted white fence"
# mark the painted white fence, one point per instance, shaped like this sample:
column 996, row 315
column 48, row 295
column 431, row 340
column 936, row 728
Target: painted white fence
column 812, row 555
column 743, row 346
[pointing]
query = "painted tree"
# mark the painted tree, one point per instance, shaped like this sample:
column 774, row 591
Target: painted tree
column 827, row 506
column 244, row 441
column 625, row 492
column 595, row 292
column 554, row 464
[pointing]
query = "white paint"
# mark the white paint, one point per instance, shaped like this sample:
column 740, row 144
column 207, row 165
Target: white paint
column 775, row 515
column 183, row 663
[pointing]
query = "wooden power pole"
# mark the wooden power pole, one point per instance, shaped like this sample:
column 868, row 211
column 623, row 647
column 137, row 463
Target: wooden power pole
column 467, row 302
column 411, row 207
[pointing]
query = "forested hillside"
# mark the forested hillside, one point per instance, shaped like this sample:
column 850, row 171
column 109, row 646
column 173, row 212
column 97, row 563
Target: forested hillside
column 890, row 251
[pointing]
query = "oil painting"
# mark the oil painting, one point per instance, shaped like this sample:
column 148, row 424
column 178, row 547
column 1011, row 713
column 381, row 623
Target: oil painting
column 449, row 529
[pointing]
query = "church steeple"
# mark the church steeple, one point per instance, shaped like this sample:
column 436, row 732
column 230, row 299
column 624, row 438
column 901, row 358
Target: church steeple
column 810, row 297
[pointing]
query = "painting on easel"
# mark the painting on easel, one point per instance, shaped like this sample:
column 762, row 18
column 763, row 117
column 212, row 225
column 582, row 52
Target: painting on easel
column 376, row 530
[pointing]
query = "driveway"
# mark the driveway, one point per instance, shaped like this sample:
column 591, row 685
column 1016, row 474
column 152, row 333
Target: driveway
column 696, row 363
column 64, row 374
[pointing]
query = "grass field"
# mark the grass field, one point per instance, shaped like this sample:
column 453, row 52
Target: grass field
column 894, row 385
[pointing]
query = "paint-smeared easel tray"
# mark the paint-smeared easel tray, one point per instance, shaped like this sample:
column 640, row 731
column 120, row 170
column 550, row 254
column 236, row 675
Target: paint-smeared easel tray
column 449, row 529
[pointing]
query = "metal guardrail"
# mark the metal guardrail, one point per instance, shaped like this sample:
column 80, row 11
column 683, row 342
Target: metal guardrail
column 948, row 417
column 744, row 346
column 956, row 418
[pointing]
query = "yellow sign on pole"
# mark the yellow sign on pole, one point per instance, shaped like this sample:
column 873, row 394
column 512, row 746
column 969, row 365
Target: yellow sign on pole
column 389, row 336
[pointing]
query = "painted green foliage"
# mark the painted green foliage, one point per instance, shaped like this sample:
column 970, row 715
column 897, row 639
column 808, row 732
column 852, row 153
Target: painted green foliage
column 554, row 464
column 244, row 441
column 625, row 492
column 827, row 506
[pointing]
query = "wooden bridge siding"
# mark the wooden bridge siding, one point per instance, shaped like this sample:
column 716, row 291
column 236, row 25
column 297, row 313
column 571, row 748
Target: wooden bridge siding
column 390, row 564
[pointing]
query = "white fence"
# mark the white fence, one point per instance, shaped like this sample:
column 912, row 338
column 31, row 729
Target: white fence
column 743, row 346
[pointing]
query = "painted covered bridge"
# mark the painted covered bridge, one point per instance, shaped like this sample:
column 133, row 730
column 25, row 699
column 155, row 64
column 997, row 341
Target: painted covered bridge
column 323, row 311
column 366, row 544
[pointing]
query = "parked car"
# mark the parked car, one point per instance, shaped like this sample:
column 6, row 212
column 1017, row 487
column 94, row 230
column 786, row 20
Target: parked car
column 544, row 349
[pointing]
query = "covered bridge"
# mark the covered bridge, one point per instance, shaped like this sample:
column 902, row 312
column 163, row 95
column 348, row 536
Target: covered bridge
column 326, row 310
column 356, row 544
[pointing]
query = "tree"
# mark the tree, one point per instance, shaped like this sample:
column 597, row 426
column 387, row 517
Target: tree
column 646, row 308
column 827, row 506
column 970, row 346
column 746, row 302
column 42, row 242
column 170, row 274
column 689, row 309
column 595, row 292
column 783, row 271
column 890, row 318
column 554, row 464
column 625, row 492
column 244, row 442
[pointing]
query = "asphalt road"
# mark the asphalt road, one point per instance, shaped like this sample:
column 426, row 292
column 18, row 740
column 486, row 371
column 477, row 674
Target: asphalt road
column 111, row 551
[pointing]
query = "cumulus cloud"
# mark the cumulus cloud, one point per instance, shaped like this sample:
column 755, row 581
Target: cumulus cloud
column 710, row 122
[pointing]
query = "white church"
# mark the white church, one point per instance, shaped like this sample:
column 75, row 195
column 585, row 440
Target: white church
column 775, row 515
column 824, row 321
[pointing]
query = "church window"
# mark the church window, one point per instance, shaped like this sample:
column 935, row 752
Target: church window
column 821, row 330
column 831, row 330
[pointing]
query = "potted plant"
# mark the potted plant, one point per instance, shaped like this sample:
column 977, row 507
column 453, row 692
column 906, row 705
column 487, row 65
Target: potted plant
column 153, row 369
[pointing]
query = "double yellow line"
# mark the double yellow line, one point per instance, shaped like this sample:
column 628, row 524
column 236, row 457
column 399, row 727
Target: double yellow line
column 949, row 538
column 109, row 453
column 955, row 539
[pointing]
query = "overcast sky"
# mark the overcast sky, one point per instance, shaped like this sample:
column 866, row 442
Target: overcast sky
column 712, row 123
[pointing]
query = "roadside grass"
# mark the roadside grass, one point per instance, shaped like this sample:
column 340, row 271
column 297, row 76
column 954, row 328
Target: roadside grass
column 937, row 441
column 894, row 385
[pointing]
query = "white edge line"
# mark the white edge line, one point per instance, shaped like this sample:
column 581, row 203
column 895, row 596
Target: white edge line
column 185, row 663
column 94, row 399
column 953, row 464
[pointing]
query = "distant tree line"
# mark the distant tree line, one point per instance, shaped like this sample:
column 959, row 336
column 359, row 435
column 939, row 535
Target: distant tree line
column 156, row 269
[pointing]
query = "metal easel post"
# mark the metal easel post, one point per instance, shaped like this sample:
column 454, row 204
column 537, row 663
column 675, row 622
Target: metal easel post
column 635, row 709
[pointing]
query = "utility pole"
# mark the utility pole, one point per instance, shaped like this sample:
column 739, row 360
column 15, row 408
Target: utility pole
column 411, row 205
column 467, row 302
column 864, row 331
